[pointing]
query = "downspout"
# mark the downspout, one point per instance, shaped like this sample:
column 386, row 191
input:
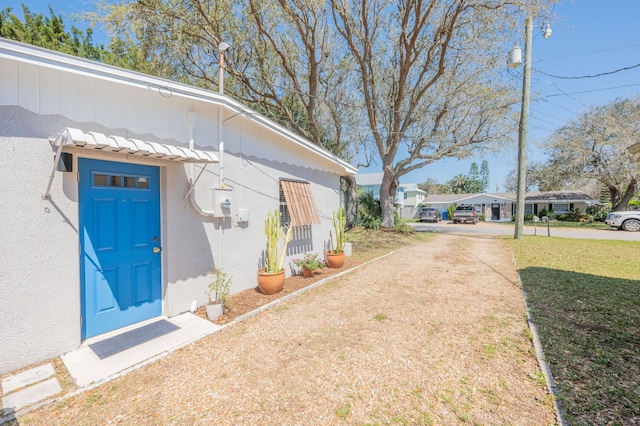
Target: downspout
column 222, row 47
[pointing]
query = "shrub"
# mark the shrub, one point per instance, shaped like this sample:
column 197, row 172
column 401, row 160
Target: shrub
column 545, row 212
column 574, row 215
column 450, row 211
column 598, row 213
column 369, row 213
column 404, row 228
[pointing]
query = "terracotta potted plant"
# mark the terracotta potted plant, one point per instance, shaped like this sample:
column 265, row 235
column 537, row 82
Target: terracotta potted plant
column 219, row 294
column 308, row 264
column 338, row 238
column 271, row 277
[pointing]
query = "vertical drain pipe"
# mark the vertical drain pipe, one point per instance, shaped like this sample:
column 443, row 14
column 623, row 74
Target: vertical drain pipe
column 222, row 47
column 191, row 175
column 192, row 144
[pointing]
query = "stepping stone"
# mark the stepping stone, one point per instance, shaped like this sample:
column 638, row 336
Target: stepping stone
column 27, row 378
column 29, row 387
column 30, row 395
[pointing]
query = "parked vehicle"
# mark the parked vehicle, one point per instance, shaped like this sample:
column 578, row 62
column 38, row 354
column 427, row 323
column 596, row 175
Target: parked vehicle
column 627, row 221
column 430, row 214
column 465, row 213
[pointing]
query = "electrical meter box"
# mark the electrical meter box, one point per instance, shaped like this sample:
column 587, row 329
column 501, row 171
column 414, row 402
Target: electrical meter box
column 222, row 201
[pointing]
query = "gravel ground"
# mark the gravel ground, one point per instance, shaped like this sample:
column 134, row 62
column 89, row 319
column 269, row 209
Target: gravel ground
column 432, row 334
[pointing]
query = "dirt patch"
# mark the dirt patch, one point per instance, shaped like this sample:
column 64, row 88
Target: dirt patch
column 434, row 333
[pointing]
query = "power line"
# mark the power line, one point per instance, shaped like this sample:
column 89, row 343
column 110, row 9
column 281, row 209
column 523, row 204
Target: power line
column 589, row 91
column 537, row 112
column 565, row 93
column 587, row 53
column 589, row 76
column 560, row 106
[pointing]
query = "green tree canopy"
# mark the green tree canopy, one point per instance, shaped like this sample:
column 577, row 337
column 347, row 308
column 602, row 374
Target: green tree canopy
column 49, row 32
column 590, row 151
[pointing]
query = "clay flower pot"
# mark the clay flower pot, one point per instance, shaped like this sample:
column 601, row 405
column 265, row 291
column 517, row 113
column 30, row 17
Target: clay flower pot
column 334, row 260
column 306, row 272
column 270, row 283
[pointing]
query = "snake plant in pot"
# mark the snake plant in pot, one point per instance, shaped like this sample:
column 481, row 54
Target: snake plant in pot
column 271, row 277
column 338, row 238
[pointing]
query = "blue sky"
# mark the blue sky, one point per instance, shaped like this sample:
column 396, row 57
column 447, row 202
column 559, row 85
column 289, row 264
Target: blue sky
column 589, row 37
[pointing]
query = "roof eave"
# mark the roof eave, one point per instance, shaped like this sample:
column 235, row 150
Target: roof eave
column 39, row 56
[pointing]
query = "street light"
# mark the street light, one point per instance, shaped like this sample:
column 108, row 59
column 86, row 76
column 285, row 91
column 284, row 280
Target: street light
column 515, row 54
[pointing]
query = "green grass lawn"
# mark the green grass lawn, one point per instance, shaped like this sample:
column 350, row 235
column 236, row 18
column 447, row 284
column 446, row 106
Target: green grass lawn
column 584, row 297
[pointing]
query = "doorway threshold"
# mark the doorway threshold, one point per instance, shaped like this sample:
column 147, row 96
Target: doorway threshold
column 104, row 357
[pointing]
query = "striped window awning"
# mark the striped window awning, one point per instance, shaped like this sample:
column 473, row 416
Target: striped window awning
column 300, row 203
column 120, row 145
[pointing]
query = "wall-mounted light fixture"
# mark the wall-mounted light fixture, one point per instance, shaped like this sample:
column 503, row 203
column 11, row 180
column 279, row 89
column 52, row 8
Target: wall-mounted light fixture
column 66, row 162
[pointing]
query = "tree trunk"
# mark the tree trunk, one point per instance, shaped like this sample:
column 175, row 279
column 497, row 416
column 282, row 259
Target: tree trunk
column 350, row 199
column 628, row 195
column 386, row 200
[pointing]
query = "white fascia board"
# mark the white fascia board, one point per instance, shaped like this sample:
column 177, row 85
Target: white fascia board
column 43, row 57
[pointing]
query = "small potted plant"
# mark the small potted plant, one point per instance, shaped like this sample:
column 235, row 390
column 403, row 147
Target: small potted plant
column 309, row 263
column 338, row 238
column 271, row 277
column 218, row 293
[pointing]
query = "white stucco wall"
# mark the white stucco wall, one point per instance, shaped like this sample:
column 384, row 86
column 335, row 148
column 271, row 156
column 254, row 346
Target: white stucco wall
column 40, row 294
column 39, row 244
column 39, row 270
column 195, row 245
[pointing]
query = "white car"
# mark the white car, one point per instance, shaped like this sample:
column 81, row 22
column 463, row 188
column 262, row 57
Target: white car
column 628, row 220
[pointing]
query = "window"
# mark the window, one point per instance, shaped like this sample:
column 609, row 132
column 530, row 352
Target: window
column 297, row 204
column 560, row 207
column 120, row 181
column 528, row 209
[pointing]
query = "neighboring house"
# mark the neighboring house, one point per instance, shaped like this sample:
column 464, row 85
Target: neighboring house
column 498, row 207
column 502, row 206
column 122, row 191
column 370, row 182
column 407, row 195
column 413, row 196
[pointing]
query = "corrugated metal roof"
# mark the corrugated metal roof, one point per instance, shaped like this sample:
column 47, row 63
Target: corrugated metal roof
column 117, row 144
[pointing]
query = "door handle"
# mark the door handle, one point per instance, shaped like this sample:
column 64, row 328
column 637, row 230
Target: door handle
column 157, row 249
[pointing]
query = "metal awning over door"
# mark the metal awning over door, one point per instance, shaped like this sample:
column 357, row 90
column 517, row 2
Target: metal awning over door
column 120, row 145
column 70, row 137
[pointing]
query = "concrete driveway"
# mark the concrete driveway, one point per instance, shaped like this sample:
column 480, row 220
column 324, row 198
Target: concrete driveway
column 490, row 228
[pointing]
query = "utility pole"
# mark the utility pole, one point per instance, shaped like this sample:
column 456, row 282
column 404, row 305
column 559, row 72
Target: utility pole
column 523, row 130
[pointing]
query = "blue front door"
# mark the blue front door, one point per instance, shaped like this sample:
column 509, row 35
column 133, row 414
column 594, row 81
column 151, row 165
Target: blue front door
column 119, row 244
